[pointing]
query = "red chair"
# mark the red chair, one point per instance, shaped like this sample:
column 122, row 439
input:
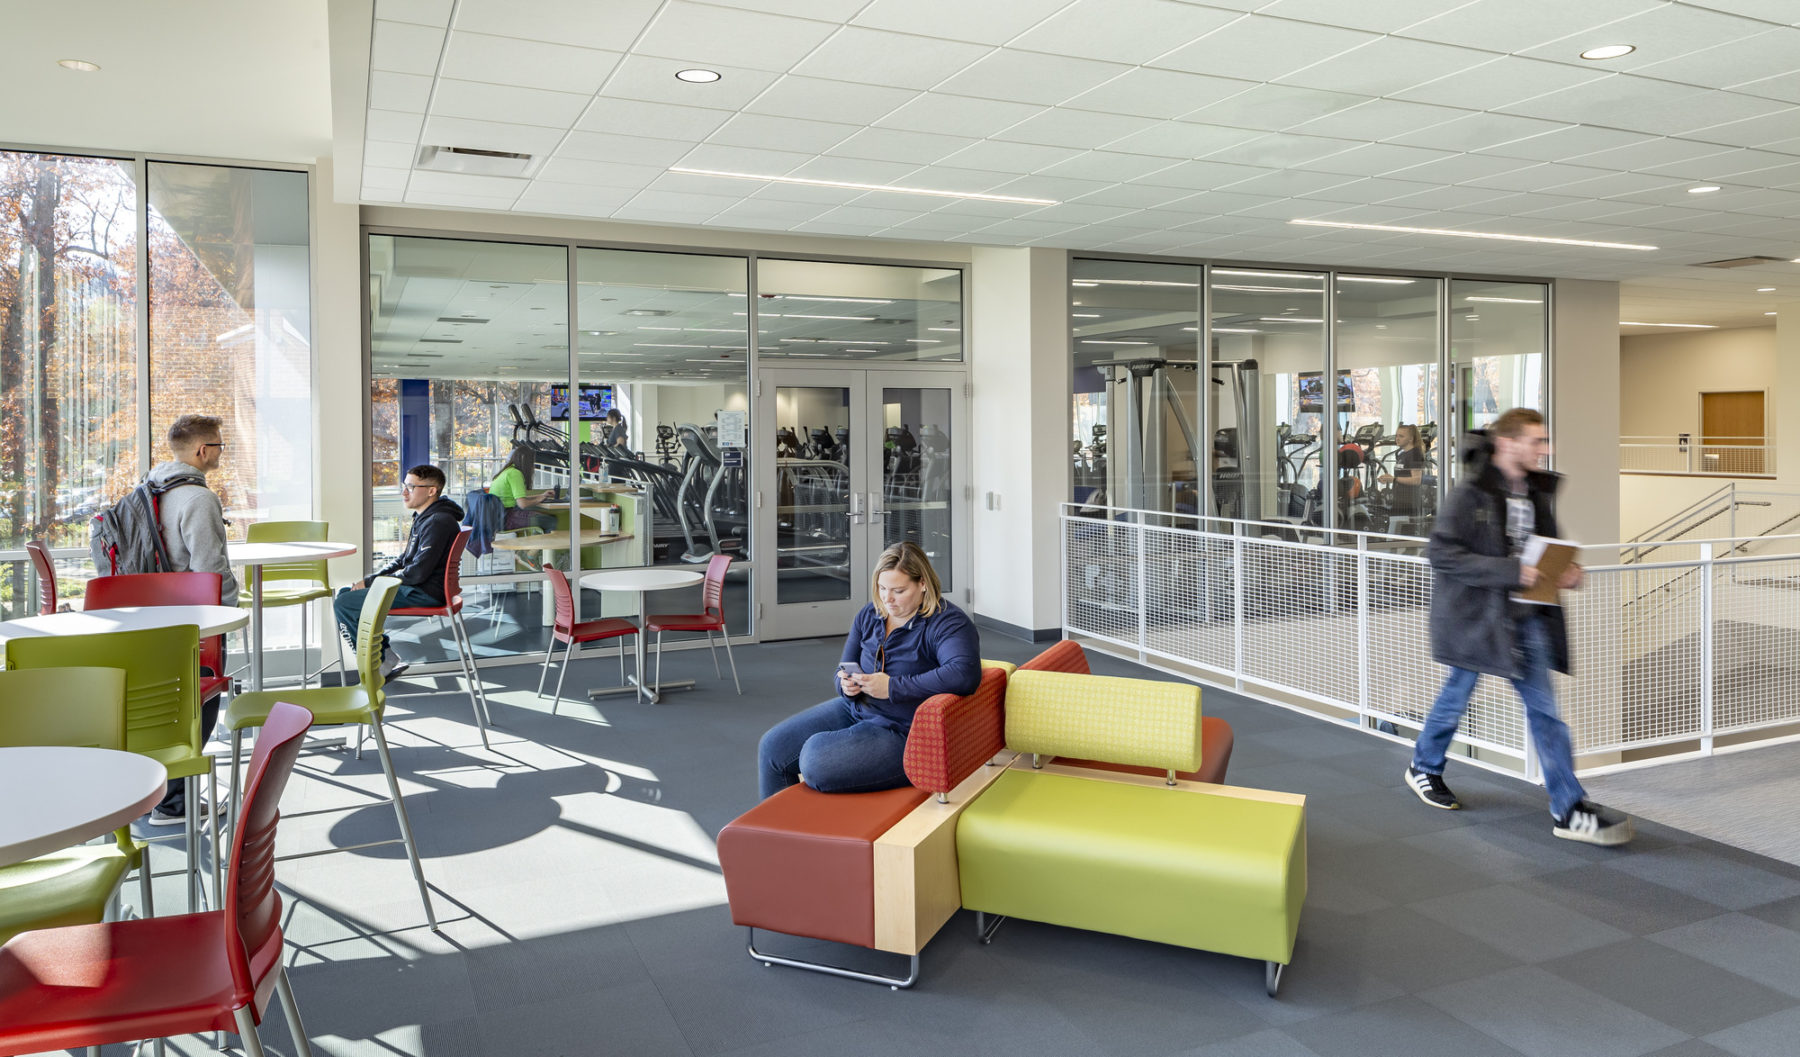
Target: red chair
column 568, row 631
column 169, row 589
column 46, row 574
column 712, row 599
column 451, row 611
column 121, row 981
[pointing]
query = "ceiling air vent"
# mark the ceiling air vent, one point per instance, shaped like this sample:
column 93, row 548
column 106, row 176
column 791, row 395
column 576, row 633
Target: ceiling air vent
column 440, row 341
column 1742, row 262
column 474, row 161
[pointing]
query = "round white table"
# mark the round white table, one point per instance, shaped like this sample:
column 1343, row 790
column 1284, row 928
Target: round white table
column 641, row 581
column 74, row 795
column 211, row 620
column 256, row 555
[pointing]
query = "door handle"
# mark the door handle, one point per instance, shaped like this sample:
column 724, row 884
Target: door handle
column 856, row 514
column 872, row 511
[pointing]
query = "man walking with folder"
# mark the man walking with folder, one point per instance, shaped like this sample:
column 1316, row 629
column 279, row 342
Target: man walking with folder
column 1479, row 624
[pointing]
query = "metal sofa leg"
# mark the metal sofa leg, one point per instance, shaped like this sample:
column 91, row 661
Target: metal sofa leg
column 1272, row 977
column 894, row 983
column 984, row 929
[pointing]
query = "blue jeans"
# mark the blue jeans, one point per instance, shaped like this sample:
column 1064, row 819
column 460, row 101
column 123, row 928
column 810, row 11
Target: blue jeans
column 348, row 605
column 834, row 750
column 1549, row 733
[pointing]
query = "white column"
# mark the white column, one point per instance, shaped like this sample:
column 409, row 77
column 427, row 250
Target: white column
column 1019, row 414
column 340, row 382
column 1584, row 408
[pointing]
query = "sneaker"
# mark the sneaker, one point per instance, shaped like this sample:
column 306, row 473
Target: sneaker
column 391, row 665
column 1592, row 824
column 174, row 816
column 1431, row 789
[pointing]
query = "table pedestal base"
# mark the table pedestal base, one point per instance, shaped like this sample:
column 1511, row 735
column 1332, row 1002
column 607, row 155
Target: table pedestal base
column 654, row 693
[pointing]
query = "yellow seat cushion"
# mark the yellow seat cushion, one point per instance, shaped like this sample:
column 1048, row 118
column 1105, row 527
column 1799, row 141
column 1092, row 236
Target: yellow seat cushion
column 69, row 887
column 282, row 593
column 328, row 704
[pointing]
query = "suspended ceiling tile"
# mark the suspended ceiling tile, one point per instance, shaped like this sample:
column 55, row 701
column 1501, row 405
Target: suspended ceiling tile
column 398, row 91
column 585, row 199
column 629, row 150
column 1627, row 183
column 818, row 99
column 1517, row 25
column 1288, row 182
column 393, row 125
column 1078, row 129
column 1281, row 149
column 822, row 196
column 1724, row 164
column 1545, row 176
column 1448, row 198
column 653, row 79
column 957, row 115
column 1642, row 104
column 957, row 19
column 705, row 34
column 1658, row 34
column 1379, row 119
column 598, row 173
column 1375, row 16
column 896, row 60
column 1477, row 132
column 949, row 178
column 1461, row 168
column 453, row 183
column 1274, row 107
column 1028, row 77
column 1781, row 11
column 1182, row 140
column 1009, row 157
column 1258, row 48
column 1060, row 189
column 1376, row 189
column 744, row 159
column 1778, row 127
column 504, row 103
column 403, row 47
column 1647, row 153
column 1108, row 165
column 424, row 12
column 1136, row 195
column 1567, row 142
column 631, row 117
column 581, row 23
column 1785, row 87
column 381, row 154
column 1768, row 54
column 1145, row 92
column 886, row 144
column 378, row 178
column 1129, row 31
column 1072, row 213
column 1373, row 159
column 527, row 63
column 854, row 170
column 1386, row 65
column 1497, row 82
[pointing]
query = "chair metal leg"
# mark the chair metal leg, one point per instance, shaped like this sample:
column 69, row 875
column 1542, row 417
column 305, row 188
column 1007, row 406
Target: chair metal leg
column 237, row 751
column 359, row 741
column 212, row 820
column 305, row 664
column 474, row 672
column 146, row 896
column 726, row 635
column 246, row 1025
column 894, row 983
column 561, row 675
column 466, row 656
column 191, row 795
column 291, row 1009
column 621, row 660
column 548, row 650
column 658, row 683
column 714, row 650
column 406, row 833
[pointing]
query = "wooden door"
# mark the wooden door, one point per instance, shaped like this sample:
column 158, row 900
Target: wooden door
column 1731, row 432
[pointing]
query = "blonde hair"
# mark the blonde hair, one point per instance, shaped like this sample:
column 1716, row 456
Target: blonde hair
column 910, row 559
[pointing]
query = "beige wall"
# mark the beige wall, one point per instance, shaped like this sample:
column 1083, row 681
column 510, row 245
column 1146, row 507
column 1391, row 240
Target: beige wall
column 1584, row 407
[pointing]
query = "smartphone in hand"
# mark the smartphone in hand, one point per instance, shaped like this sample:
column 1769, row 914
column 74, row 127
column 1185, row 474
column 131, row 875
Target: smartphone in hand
column 847, row 669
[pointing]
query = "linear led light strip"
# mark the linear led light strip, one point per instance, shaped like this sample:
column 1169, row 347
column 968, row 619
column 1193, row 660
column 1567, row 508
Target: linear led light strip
column 1684, row 326
column 1306, row 275
column 809, row 297
column 764, row 178
column 1472, row 234
column 1508, row 300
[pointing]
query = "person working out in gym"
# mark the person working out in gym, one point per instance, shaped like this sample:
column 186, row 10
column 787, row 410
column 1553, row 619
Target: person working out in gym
column 907, row 645
column 1504, row 498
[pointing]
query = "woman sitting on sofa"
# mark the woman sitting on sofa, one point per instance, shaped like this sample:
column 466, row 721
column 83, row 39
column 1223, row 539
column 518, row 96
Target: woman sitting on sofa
column 905, row 646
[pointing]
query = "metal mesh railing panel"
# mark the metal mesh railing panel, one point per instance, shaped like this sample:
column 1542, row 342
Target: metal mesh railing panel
column 1300, row 618
column 1101, row 591
column 1189, row 583
column 1755, row 644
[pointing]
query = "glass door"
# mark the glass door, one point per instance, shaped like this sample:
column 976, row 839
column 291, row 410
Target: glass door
column 862, row 460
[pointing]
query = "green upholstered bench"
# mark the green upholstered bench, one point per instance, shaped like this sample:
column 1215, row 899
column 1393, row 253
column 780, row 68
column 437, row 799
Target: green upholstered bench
column 1211, row 867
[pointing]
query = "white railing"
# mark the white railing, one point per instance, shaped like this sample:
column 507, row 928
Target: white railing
column 1668, row 655
column 1739, row 457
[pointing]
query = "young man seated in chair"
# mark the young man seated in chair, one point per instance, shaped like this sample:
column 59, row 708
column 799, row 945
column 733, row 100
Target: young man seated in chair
column 420, row 567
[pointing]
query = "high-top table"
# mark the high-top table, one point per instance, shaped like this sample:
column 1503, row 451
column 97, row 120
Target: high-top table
column 254, row 556
column 211, row 620
column 74, row 795
column 641, row 581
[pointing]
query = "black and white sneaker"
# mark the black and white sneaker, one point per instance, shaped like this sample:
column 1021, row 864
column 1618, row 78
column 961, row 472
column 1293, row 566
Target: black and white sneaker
column 1431, row 789
column 175, row 816
column 1592, row 824
column 391, row 665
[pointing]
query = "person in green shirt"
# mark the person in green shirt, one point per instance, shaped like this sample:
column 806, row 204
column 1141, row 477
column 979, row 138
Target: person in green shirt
column 512, row 485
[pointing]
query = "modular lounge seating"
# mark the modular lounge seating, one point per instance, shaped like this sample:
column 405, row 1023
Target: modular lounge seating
column 1134, row 849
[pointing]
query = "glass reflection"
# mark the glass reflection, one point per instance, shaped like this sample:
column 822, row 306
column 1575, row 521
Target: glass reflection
column 915, row 475
column 819, row 309
column 1498, row 333
column 812, row 518
column 1387, row 346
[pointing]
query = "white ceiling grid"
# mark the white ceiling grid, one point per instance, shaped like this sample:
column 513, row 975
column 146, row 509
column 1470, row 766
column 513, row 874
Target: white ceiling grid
column 1159, row 126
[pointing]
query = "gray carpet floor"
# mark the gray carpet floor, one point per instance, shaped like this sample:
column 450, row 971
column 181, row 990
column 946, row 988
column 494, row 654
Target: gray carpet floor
column 573, row 869
column 1749, row 799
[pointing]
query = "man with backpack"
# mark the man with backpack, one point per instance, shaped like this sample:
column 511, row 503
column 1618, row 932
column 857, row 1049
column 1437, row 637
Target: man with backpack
column 193, row 535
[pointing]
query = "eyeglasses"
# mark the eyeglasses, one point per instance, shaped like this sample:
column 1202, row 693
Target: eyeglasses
column 408, row 486
column 213, row 444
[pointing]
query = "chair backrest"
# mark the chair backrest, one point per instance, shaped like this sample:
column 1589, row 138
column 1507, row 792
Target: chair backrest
column 162, row 677
column 252, row 905
column 369, row 625
column 1065, row 656
column 292, row 532
column 84, row 707
column 46, row 574
column 163, row 589
column 453, row 565
column 712, row 591
column 565, row 598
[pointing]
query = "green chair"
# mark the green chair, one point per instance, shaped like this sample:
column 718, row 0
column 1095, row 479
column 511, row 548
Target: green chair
column 363, row 704
column 67, row 706
column 293, row 583
column 162, row 708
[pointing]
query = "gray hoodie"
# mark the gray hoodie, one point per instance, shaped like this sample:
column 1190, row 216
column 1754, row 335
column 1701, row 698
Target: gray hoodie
column 193, row 528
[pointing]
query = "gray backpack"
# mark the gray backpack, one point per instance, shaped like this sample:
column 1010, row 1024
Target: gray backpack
column 127, row 537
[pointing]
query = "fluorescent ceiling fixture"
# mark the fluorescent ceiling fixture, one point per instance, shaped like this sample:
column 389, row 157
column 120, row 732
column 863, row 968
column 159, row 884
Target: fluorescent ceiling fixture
column 946, row 330
column 805, row 353
column 1765, row 289
column 697, row 76
column 662, row 345
column 1609, row 51
column 846, row 300
column 1266, row 275
column 1077, row 315
column 869, row 351
column 1130, row 282
column 1080, row 283
column 1235, row 330
column 835, row 341
column 1684, row 326
column 1508, row 300
column 1374, row 279
column 976, row 195
column 1703, row 189
column 1768, row 313
column 1287, row 319
column 79, row 65
column 796, row 315
column 1474, row 234
column 1270, row 289
column 1092, row 341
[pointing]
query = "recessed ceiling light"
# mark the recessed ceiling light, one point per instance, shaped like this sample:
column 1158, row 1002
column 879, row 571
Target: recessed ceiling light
column 1683, row 326
column 1609, row 51
column 1474, row 235
column 765, row 178
column 1765, row 289
column 1703, row 189
column 697, row 76
column 79, row 65
column 1768, row 313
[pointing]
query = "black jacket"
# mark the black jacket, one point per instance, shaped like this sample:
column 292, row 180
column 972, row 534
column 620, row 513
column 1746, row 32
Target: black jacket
column 421, row 564
column 1472, row 573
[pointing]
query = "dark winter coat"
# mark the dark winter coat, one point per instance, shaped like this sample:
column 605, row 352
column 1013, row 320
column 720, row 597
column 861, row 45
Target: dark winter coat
column 421, row 564
column 1473, row 575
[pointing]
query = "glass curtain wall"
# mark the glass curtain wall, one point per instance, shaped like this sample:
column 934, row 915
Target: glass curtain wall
column 1268, row 396
column 469, row 347
column 1498, row 332
column 1388, row 330
column 69, row 433
column 661, row 412
column 809, row 310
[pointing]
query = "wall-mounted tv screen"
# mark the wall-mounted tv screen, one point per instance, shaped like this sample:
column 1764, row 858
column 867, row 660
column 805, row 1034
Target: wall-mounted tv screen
column 1312, row 392
column 592, row 402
